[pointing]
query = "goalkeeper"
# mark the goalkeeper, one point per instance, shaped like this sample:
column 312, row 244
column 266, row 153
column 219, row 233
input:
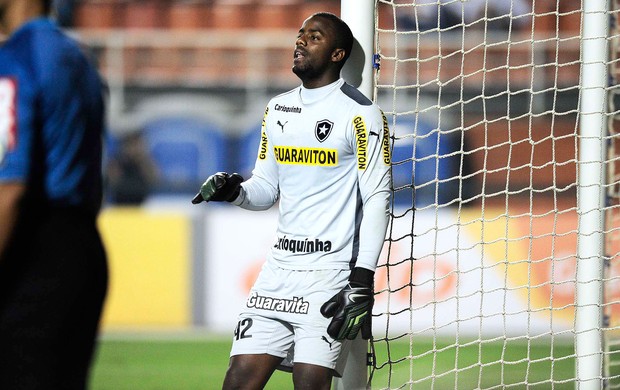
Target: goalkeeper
column 325, row 156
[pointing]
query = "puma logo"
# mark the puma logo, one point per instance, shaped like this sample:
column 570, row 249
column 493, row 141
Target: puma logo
column 327, row 341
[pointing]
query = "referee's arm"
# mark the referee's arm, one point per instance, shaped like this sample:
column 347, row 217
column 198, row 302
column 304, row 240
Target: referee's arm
column 10, row 195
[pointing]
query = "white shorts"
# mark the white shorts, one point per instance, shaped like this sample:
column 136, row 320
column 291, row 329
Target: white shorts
column 282, row 317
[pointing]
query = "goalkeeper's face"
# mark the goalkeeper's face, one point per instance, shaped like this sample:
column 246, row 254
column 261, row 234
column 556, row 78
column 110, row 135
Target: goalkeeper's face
column 315, row 53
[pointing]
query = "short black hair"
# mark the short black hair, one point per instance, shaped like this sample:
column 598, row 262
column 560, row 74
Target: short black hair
column 47, row 6
column 344, row 36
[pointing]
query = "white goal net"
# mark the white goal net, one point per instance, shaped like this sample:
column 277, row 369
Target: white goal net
column 479, row 284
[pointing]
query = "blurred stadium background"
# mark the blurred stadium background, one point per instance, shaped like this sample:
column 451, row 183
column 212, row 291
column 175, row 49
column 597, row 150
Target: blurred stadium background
column 188, row 84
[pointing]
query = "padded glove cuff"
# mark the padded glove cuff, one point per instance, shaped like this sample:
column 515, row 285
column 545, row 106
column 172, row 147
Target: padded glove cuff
column 362, row 276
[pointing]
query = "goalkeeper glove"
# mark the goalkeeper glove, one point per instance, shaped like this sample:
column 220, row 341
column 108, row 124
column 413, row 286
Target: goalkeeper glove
column 351, row 308
column 219, row 187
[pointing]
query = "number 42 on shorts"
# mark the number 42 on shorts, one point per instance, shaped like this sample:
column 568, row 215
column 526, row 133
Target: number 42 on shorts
column 241, row 330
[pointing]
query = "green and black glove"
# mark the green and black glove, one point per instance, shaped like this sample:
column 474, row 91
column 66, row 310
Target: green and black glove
column 351, row 308
column 219, row 187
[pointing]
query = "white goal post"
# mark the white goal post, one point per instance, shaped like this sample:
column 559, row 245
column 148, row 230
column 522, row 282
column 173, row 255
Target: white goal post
column 360, row 16
column 501, row 261
column 591, row 197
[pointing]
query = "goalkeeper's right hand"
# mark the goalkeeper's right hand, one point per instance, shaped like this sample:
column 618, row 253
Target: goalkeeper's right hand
column 219, row 187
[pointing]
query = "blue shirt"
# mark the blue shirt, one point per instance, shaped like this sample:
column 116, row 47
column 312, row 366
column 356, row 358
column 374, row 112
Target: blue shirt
column 51, row 117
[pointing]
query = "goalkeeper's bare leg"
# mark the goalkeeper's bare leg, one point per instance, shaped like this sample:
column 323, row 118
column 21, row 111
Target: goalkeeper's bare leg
column 311, row 376
column 250, row 371
column 253, row 371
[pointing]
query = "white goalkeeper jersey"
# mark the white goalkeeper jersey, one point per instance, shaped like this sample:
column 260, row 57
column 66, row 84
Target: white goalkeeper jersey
column 325, row 155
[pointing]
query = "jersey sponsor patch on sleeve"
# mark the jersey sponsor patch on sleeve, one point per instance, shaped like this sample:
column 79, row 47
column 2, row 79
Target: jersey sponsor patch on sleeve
column 361, row 137
column 8, row 121
column 262, row 149
column 385, row 142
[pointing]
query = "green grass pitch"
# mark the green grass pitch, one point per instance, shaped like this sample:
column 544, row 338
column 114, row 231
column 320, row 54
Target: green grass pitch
column 183, row 364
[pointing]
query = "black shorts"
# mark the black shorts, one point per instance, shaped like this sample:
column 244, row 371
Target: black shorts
column 53, row 281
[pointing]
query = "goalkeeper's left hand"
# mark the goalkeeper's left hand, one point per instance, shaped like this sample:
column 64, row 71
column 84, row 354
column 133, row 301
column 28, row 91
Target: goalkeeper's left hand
column 351, row 308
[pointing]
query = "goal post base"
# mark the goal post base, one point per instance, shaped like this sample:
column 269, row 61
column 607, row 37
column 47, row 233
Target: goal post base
column 355, row 374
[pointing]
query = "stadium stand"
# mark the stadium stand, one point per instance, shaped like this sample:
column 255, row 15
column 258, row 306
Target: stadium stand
column 185, row 151
column 239, row 49
column 436, row 161
column 246, row 147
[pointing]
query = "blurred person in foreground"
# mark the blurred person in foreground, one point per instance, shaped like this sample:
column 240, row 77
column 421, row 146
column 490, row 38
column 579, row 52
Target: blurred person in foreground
column 325, row 155
column 53, row 271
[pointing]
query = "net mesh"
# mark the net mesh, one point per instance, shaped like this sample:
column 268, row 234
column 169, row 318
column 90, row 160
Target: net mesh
column 477, row 285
